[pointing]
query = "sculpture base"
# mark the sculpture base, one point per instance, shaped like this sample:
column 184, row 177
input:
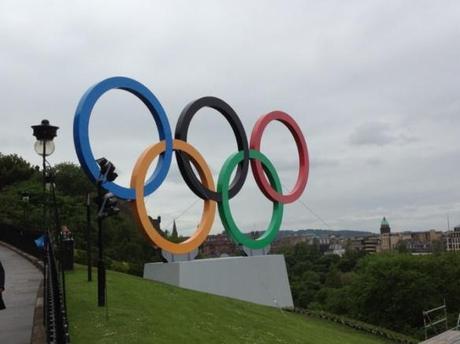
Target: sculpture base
column 258, row 279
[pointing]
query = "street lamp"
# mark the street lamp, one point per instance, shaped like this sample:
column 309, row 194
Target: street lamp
column 25, row 196
column 44, row 146
column 45, row 133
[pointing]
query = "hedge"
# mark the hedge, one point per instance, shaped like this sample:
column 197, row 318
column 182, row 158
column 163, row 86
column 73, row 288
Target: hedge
column 357, row 325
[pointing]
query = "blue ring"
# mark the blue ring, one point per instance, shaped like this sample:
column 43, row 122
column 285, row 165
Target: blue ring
column 81, row 137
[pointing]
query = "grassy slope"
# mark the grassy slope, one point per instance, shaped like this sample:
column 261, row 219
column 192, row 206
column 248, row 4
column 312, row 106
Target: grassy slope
column 142, row 311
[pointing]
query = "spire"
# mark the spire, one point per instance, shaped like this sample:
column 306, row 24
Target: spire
column 174, row 234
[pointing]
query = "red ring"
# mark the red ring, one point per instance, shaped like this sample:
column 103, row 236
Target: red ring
column 257, row 169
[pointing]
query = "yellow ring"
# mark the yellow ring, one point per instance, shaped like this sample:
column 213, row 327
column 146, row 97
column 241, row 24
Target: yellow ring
column 140, row 212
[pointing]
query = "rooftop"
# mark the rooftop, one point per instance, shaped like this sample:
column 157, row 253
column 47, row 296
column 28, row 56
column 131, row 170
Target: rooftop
column 384, row 222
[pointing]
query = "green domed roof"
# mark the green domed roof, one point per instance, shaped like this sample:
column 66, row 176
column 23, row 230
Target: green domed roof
column 384, row 222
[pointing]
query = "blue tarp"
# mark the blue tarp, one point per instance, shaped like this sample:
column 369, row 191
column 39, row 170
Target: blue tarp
column 40, row 242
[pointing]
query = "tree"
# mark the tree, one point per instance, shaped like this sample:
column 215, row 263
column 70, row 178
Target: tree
column 349, row 260
column 14, row 211
column 437, row 247
column 392, row 291
column 402, row 247
column 14, row 169
column 71, row 180
column 333, row 278
column 305, row 287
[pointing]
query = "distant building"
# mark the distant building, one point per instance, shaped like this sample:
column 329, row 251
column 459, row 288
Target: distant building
column 219, row 245
column 337, row 249
column 289, row 241
column 156, row 223
column 392, row 241
column 414, row 242
column 385, row 226
column 385, row 236
column 371, row 244
column 453, row 240
column 174, row 235
column 424, row 242
column 355, row 244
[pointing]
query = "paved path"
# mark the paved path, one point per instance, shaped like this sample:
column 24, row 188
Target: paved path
column 22, row 280
column 448, row 337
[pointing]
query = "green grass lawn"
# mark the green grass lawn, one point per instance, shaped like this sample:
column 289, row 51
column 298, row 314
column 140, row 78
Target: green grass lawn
column 141, row 311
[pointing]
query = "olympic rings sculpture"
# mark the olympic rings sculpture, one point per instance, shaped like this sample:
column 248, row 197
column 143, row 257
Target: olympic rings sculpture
column 186, row 155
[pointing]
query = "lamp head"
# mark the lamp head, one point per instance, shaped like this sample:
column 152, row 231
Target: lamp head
column 45, row 133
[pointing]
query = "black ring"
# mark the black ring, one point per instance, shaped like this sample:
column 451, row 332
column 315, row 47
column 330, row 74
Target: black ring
column 183, row 161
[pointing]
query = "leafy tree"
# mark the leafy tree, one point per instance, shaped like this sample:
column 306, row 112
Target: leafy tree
column 402, row 247
column 333, row 278
column 349, row 260
column 336, row 300
column 16, row 211
column 305, row 288
column 14, row 169
column 389, row 290
column 71, row 180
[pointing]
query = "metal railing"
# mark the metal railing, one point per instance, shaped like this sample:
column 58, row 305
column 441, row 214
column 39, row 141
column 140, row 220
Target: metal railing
column 57, row 326
column 434, row 317
column 55, row 315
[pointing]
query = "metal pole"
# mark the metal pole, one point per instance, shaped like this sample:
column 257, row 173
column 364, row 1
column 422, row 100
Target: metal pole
column 44, row 189
column 24, row 217
column 100, row 268
column 57, row 221
column 100, row 263
column 45, row 256
column 88, row 237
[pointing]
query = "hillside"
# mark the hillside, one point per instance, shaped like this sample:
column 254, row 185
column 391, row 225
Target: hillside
column 142, row 311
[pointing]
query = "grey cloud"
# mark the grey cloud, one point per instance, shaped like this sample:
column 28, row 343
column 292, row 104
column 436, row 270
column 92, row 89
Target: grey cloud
column 324, row 162
column 378, row 134
column 372, row 134
column 374, row 161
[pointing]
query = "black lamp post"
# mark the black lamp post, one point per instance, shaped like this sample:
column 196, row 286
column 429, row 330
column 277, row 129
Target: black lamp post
column 44, row 146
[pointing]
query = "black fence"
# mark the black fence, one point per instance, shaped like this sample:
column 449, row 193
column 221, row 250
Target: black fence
column 55, row 315
column 57, row 327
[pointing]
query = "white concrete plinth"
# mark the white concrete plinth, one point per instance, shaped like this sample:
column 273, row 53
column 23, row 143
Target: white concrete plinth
column 257, row 279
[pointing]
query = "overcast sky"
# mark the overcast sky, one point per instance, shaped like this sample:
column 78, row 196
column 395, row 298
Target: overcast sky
column 374, row 86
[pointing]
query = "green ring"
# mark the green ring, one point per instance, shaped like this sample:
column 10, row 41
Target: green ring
column 224, row 206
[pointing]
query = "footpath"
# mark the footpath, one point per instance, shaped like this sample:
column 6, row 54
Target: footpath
column 22, row 280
